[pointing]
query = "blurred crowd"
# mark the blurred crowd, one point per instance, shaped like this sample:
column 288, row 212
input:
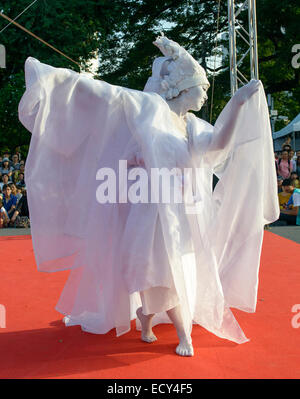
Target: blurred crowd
column 13, row 196
column 287, row 163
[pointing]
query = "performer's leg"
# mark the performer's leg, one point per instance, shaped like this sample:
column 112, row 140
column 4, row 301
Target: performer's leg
column 160, row 298
column 147, row 334
column 185, row 347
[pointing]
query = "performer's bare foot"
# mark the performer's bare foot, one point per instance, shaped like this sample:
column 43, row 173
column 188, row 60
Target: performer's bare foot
column 146, row 320
column 185, row 348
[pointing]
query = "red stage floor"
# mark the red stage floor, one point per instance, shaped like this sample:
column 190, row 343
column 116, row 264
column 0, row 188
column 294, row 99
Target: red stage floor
column 35, row 343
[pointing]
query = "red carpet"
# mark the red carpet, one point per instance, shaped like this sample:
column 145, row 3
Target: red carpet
column 35, row 343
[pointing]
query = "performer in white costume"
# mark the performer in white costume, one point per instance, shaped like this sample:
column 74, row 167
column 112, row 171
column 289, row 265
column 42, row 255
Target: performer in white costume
column 161, row 261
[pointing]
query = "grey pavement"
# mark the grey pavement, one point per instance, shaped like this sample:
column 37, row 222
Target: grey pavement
column 14, row 232
column 290, row 232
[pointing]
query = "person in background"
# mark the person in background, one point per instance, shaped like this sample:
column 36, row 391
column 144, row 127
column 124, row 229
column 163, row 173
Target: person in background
column 7, row 155
column 286, row 147
column 279, row 184
column 5, row 180
column 4, row 219
column 14, row 191
column 283, row 197
column 20, row 217
column 295, row 180
column 19, row 192
column 9, row 200
column 15, row 175
column 292, row 158
column 22, row 169
column 284, row 165
column 15, row 162
column 6, row 168
column 18, row 153
column 20, row 180
column 290, row 214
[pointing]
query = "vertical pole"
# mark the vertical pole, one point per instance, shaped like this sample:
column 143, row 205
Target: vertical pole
column 256, row 76
column 232, row 47
column 253, row 39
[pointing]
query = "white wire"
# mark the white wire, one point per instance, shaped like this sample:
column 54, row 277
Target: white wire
column 19, row 15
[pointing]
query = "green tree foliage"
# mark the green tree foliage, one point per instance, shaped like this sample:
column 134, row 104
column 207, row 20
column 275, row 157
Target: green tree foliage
column 278, row 31
column 123, row 31
column 77, row 28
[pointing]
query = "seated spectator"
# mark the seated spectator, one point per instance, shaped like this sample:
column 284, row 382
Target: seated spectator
column 279, row 184
column 9, row 200
column 295, row 180
column 5, row 180
column 20, row 170
column 15, row 175
column 6, row 168
column 14, row 191
column 284, row 165
column 4, row 219
column 7, row 155
column 19, row 192
column 20, row 218
column 290, row 214
column 283, row 197
column 20, row 180
column 15, row 162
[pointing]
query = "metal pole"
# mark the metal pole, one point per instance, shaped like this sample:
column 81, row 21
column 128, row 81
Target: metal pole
column 253, row 39
column 256, row 76
column 250, row 37
column 232, row 47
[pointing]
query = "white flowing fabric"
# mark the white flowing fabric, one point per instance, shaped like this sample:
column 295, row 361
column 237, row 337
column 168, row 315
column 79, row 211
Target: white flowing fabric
column 207, row 261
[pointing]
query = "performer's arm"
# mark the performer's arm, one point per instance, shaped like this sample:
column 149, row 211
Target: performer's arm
column 226, row 122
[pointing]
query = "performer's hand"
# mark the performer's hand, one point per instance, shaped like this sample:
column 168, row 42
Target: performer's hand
column 244, row 93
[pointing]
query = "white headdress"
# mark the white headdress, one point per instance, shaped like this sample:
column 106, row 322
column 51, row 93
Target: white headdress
column 183, row 71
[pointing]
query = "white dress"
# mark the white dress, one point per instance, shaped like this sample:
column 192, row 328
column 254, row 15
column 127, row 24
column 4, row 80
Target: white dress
column 206, row 261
